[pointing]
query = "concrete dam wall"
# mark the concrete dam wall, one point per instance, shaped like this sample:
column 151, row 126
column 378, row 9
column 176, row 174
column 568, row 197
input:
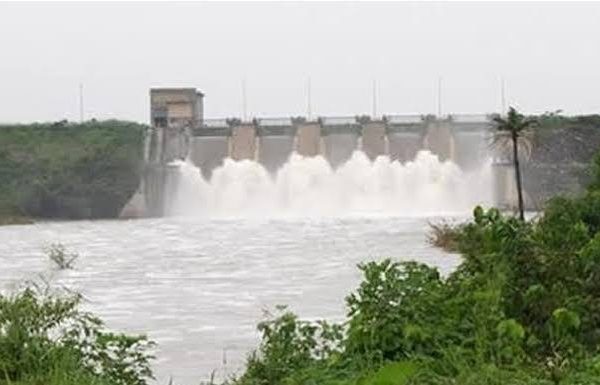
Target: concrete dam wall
column 270, row 142
column 180, row 132
column 460, row 139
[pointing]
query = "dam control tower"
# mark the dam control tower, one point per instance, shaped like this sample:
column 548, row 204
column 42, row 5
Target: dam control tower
column 174, row 113
column 176, row 107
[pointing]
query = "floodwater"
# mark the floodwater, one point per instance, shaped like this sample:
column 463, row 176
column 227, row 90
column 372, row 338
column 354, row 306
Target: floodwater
column 198, row 287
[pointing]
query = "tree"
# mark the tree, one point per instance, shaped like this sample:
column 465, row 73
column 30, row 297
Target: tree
column 514, row 127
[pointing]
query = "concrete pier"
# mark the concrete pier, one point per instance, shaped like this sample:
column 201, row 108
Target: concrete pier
column 374, row 139
column 243, row 141
column 308, row 138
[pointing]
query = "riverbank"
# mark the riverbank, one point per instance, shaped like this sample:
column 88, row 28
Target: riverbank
column 15, row 220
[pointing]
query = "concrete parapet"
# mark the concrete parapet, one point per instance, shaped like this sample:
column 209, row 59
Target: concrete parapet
column 275, row 127
column 212, row 131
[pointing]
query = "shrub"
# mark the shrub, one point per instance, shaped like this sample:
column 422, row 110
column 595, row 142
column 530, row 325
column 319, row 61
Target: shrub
column 288, row 346
column 389, row 311
column 46, row 339
column 444, row 235
column 61, row 258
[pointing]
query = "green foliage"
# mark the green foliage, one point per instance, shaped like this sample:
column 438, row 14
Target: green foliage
column 289, row 346
column 68, row 170
column 510, row 341
column 595, row 174
column 387, row 311
column 397, row 373
column 46, row 339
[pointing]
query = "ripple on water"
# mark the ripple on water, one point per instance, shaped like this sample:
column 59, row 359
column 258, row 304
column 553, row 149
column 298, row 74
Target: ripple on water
column 199, row 287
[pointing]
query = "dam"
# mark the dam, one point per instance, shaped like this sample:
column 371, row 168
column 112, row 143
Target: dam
column 180, row 132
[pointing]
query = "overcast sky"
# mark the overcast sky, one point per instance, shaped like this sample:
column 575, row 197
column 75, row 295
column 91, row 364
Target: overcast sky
column 548, row 54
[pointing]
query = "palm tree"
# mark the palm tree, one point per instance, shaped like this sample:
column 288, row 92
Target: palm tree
column 513, row 127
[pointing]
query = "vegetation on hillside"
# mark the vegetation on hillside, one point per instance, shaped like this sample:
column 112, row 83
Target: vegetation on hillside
column 522, row 308
column 69, row 170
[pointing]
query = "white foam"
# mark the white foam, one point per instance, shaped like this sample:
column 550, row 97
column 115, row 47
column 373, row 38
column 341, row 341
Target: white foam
column 308, row 186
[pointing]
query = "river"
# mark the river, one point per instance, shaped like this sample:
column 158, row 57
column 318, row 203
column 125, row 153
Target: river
column 198, row 287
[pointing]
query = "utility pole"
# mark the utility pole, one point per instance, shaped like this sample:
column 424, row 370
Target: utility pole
column 502, row 96
column 244, row 110
column 308, row 99
column 81, row 102
column 439, row 97
column 374, row 99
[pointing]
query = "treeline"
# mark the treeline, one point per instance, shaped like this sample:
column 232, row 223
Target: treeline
column 522, row 308
column 69, row 170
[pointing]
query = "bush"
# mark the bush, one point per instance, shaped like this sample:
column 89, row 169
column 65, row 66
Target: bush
column 388, row 315
column 46, row 339
column 288, row 347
